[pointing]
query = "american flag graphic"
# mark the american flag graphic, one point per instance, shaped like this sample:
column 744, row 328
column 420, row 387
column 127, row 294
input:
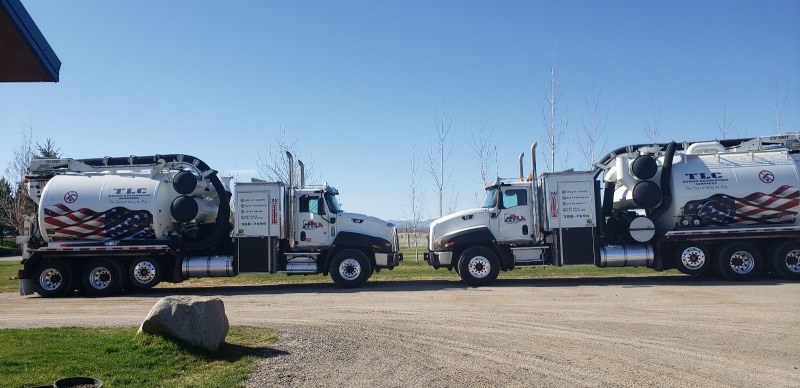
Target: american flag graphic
column 779, row 207
column 119, row 223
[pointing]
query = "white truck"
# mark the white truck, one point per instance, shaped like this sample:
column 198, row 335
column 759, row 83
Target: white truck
column 730, row 205
column 105, row 224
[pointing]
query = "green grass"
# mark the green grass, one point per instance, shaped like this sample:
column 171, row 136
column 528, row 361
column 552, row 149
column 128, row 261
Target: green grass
column 121, row 358
column 8, row 269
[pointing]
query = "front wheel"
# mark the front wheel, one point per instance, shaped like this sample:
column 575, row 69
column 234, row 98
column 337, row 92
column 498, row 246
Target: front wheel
column 350, row 268
column 478, row 266
column 102, row 277
column 52, row 279
column 739, row 261
column 786, row 260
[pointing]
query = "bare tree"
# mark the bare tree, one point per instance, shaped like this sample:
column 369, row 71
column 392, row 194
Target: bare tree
column 591, row 142
column 779, row 106
column 653, row 129
column 274, row 166
column 13, row 213
column 555, row 127
column 416, row 201
column 439, row 155
column 483, row 148
column 725, row 126
column 6, row 204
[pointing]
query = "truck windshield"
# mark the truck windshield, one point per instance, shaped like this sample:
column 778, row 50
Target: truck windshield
column 491, row 197
column 333, row 203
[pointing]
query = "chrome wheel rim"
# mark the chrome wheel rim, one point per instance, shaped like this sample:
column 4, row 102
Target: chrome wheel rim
column 100, row 278
column 792, row 261
column 349, row 269
column 479, row 267
column 144, row 272
column 51, row 279
column 693, row 258
column 742, row 262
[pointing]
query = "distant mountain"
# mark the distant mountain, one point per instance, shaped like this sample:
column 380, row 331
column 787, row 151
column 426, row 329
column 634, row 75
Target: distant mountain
column 405, row 224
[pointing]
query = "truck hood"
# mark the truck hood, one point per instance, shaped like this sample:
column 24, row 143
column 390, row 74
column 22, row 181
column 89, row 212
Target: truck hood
column 458, row 221
column 368, row 225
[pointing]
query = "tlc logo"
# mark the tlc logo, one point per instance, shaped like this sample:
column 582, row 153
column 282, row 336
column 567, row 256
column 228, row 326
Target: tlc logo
column 704, row 175
column 130, row 191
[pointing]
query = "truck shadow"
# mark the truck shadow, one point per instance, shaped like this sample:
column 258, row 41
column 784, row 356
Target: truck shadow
column 437, row 285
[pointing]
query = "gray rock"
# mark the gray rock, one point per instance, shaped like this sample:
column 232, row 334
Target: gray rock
column 199, row 321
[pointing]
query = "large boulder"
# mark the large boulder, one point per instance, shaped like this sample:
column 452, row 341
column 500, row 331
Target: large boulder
column 199, row 321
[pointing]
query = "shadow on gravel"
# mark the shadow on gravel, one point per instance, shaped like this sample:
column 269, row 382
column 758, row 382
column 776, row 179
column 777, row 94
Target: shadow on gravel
column 436, row 285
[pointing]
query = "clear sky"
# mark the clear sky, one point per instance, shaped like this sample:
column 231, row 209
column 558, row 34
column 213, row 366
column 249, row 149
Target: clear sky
column 358, row 83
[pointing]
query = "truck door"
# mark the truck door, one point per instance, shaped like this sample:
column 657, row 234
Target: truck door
column 312, row 226
column 514, row 221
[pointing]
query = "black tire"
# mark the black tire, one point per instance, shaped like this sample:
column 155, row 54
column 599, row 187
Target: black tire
column 144, row 273
column 350, row 268
column 478, row 266
column 739, row 261
column 102, row 277
column 692, row 259
column 53, row 278
column 786, row 260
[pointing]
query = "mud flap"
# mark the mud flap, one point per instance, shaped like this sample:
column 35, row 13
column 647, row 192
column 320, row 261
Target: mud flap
column 25, row 287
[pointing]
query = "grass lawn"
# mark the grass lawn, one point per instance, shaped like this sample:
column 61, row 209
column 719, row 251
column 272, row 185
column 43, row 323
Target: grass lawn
column 121, row 358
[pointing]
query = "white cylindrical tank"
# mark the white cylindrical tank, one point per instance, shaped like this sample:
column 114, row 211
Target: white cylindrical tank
column 106, row 206
column 734, row 189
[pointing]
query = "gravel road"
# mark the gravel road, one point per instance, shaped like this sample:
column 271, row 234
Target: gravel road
column 648, row 331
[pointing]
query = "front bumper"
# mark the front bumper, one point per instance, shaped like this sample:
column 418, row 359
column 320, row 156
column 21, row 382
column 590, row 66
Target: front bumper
column 389, row 260
column 439, row 259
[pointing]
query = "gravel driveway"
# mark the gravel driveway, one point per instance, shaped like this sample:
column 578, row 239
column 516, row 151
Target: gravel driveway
column 649, row 331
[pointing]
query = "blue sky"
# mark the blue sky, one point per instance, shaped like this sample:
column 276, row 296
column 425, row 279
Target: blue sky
column 357, row 83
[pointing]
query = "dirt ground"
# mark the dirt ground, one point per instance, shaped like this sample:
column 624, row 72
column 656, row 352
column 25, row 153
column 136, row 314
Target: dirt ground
column 648, row 331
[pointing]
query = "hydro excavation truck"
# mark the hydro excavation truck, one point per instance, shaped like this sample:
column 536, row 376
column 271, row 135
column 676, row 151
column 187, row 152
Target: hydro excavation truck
column 728, row 206
column 105, row 224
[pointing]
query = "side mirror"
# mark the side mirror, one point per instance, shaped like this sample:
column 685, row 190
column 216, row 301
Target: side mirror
column 333, row 220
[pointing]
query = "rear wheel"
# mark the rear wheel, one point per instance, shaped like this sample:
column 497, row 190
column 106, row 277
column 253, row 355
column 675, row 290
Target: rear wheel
column 478, row 266
column 739, row 261
column 350, row 268
column 102, row 277
column 53, row 278
column 144, row 273
column 786, row 260
column 692, row 259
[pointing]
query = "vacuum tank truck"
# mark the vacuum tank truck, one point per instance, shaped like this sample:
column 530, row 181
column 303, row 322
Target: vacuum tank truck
column 727, row 206
column 111, row 223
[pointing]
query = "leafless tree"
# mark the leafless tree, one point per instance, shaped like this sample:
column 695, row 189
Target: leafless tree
column 779, row 106
column 653, row 129
column 725, row 127
column 275, row 167
column 13, row 213
column 483, row 148
column 555, row 126
column 439, row 155
column 592, row 142
column 416, row 201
